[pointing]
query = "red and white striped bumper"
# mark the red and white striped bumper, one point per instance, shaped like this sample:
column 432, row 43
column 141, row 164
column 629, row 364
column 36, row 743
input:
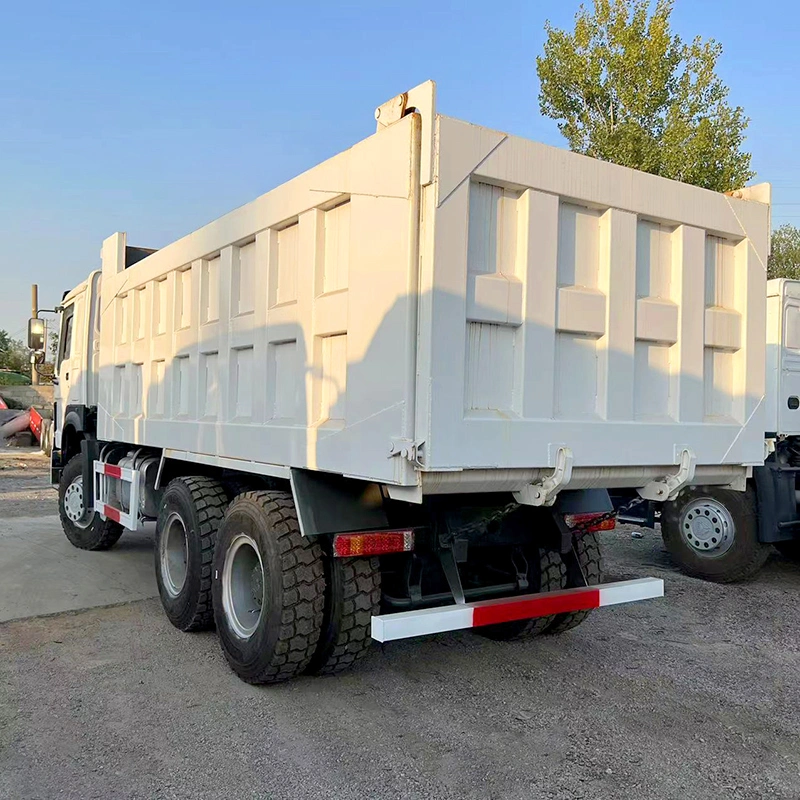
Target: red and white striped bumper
column 406, row 624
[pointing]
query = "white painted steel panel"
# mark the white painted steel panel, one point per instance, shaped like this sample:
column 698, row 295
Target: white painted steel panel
column 279, row 333
column 643, row 312
column 489, row 297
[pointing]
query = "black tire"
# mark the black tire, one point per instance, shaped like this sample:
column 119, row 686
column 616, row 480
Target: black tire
column 548, row 574
column 99, row 534
column 590, row 561
column 289, row 602
column 745, row 555
column 352, row 596
column 191, row 512
column 239, row 485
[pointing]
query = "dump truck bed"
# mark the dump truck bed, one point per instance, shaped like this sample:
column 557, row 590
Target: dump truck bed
column 448, row 308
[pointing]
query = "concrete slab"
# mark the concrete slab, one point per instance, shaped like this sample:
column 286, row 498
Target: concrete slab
column 42, row 573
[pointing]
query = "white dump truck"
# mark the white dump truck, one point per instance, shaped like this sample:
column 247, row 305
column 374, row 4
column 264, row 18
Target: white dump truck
column 389, row 397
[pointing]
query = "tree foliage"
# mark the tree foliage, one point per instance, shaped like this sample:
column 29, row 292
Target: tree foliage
column 784, row 257
column 13, row 354
column 625, row 89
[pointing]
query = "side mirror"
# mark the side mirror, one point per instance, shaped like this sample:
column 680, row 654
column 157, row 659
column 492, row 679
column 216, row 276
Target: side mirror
column 36, row 333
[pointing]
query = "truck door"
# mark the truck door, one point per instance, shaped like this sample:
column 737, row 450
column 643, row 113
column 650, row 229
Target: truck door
column 789, row 393
column 68, row 372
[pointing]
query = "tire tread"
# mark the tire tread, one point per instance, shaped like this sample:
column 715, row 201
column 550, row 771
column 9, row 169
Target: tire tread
column 590, row 558
column 348, row 617
column 303, row 584
column 210, row 501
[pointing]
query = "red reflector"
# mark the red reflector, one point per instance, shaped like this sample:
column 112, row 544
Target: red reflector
column 111, row 513
column 583, row 519
column 549, row 603
column 112, row 471
column 372, row 543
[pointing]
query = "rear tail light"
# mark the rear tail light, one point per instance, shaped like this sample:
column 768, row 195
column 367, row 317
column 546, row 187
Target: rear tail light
column 584, row 519
column 372, row 543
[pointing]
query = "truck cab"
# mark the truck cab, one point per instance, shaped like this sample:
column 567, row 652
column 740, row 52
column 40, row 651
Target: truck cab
column 75, row 411
column 77, row 365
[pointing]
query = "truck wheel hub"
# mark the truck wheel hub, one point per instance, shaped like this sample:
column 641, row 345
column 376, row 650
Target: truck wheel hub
column 174, row 555
column 73, row 504
column 707, row 527
column 243, row 586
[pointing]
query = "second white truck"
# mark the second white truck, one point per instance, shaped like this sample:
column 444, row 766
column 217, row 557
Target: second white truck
column 726, row 536
column 388, row 398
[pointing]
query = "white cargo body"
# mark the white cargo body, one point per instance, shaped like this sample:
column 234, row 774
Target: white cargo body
column 445, row 308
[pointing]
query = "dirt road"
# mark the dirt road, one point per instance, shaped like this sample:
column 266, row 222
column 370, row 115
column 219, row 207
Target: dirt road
column 25, row 489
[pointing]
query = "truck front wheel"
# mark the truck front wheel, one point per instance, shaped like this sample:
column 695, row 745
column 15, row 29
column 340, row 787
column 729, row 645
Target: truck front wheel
column 84, row 527
column 712, row 533
column 190, row 514
column 268, row 589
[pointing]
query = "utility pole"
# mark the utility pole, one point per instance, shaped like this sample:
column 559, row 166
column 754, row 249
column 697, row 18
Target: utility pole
column 34, row 314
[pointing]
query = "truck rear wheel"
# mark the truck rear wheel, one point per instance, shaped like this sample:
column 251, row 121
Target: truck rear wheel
column 590, row 563
column 547, row 573
column 85, row 528
column 191, row 512
column 352, row 596
column 712, row 533
column 268, row 589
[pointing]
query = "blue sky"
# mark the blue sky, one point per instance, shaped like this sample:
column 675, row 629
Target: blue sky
column 154, row 118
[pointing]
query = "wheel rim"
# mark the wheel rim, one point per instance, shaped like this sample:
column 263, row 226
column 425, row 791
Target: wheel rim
column 174, row 554
column 73, row 504
column 243, row 586
column 707, row 527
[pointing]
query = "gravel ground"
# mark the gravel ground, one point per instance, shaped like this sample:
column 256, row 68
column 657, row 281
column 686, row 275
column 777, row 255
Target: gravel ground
column 692, row 696
column 25, row 489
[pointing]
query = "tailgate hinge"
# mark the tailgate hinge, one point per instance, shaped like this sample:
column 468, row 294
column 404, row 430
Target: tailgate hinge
column 410, row 450
column 669, row 487
column 391, row 111
column 545, row 493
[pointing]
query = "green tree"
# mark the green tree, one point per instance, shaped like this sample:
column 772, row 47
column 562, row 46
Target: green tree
column 13, row 354
column 784, row 257
column 625, row 88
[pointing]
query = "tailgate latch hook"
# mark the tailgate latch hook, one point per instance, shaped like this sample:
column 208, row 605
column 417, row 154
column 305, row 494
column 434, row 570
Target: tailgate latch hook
column 545, row 493
column 669, row 487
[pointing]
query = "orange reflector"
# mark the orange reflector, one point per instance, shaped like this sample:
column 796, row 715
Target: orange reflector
column 372, row 543
column 583, row 519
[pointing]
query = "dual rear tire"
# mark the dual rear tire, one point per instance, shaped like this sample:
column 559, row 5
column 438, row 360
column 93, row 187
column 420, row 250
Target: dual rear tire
column 550, row 572
column 279, row 607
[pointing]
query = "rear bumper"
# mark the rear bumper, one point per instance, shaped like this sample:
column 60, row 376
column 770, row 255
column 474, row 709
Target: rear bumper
column 407, row 624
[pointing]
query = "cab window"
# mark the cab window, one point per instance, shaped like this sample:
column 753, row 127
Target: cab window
column 65, row 345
